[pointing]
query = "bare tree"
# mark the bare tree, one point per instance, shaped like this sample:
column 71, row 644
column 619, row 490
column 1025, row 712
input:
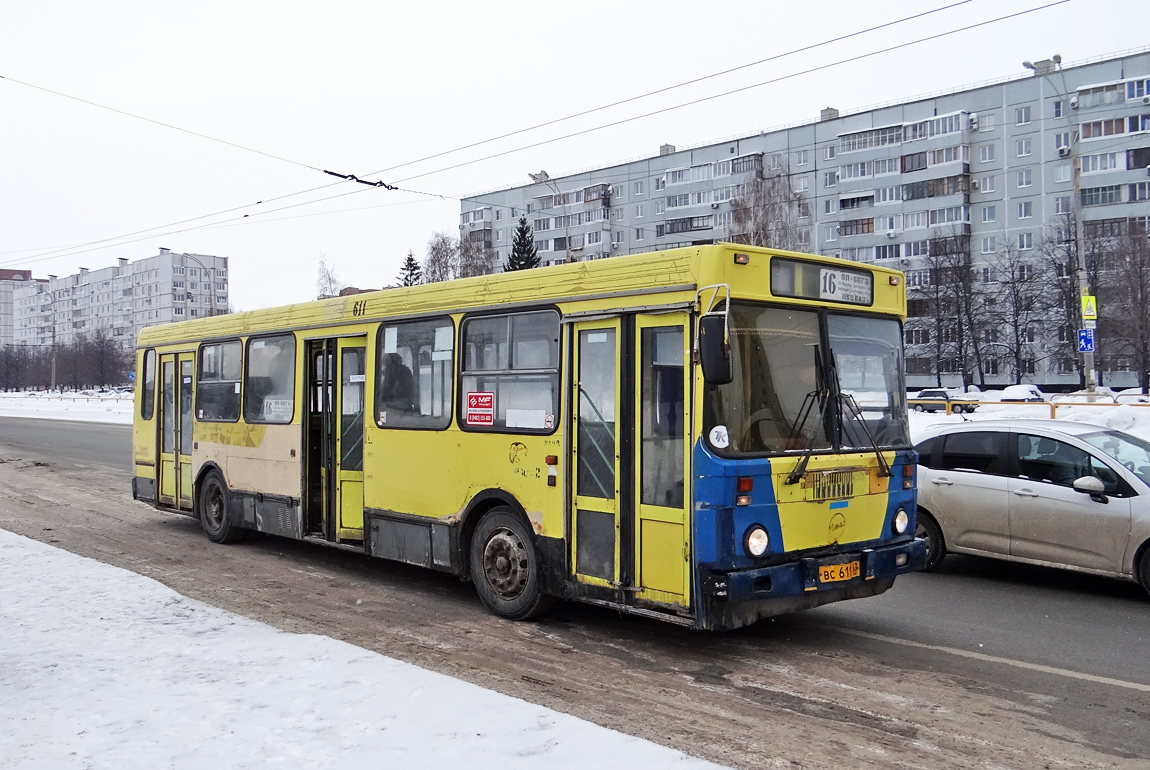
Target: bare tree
column 1060, row 285
column 476, row 257
column 1124, row 298
column 1020, row 306
column 327, row 283
column 766, row 211
column 105, row 360
column 442, row 260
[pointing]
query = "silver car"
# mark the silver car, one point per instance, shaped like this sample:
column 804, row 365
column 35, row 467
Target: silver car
column 1059, row 494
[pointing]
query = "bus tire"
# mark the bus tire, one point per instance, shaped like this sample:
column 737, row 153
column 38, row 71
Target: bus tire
column 212, row 506
column 505, row 567
column 927, row 527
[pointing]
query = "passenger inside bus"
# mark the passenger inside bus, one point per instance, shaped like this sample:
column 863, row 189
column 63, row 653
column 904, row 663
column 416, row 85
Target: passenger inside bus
column 398, row 388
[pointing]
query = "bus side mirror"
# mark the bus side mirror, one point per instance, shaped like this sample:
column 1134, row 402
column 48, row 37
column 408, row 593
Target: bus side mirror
column 714, row 353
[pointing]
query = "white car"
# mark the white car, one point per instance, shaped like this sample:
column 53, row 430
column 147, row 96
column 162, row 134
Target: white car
column 1059, row 494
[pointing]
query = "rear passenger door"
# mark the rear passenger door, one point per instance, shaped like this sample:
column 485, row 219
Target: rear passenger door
column 967, row 490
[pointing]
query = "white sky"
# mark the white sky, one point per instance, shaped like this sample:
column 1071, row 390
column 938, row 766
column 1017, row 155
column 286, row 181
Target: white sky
column 360, row 87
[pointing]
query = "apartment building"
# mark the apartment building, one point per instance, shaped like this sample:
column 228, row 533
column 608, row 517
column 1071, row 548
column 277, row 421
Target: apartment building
column 119, row 300
column 9, row 280
column 983, row 168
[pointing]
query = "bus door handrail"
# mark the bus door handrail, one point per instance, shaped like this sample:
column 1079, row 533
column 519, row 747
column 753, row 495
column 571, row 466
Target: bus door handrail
column 726, row 311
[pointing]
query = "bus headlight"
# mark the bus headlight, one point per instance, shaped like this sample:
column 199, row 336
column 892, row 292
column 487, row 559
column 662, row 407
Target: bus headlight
column 756, row 541
column 901, row 520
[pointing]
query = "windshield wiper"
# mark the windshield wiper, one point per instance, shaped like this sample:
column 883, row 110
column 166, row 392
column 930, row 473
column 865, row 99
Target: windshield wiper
column 852, row 408
column 822, row 394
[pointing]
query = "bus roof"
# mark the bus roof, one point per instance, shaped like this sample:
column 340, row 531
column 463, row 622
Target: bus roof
column 673, row 275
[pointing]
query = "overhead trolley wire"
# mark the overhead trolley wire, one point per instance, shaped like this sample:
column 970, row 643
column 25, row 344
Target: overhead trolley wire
column 68, row 251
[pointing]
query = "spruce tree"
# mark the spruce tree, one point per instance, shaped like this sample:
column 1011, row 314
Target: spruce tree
column 410, row 274
column 524, row 255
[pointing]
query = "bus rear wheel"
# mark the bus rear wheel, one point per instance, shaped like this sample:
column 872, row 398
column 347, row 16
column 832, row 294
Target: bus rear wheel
column 505, row 567
column 212, row 502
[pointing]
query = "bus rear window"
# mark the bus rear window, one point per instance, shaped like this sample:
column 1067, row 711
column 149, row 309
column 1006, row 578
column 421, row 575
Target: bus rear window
column 218, row 385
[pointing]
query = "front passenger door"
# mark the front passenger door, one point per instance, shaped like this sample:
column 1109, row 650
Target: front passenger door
column 1051, row 521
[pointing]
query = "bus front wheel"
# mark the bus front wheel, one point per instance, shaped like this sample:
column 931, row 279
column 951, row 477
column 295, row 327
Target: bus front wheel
column 505, row 567
column 213, row 509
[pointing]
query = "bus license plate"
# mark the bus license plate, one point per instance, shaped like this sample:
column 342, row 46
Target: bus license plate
column 832, row 573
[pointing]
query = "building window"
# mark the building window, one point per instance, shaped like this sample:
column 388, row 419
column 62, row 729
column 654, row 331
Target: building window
column 1102, row 196
column 1025, row 178
column 1100, row 128
column 1062, row 204
column 988, row 247
column 986, row 122
column 639, row 211
column 801, row 158
column 1022, row 148
column 510, row 377
column 1140, row 191
column 1062, row 173
column 218, row 384
column 986, row 153
column 829, row 152
column 1058, row 107
column 1025, row 210
column 1061, row 139
column 831, row 233
column 638, row 188
column 1025, row 241
column 1022, row 116
column 830, row 179
column 986, row 184
column 638, row 233
column 1105, row 161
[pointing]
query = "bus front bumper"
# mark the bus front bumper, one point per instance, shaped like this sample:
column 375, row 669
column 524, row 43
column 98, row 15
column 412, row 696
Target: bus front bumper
column 738, row 598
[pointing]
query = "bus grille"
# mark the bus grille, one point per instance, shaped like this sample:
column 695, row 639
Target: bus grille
column 831, row 485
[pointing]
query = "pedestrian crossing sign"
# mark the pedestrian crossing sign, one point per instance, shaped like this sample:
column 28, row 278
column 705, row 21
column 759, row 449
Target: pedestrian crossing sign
column 1089, row 308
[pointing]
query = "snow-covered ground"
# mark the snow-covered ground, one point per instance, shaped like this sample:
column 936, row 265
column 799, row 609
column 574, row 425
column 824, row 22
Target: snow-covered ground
column 100, row 667
column 97, row 407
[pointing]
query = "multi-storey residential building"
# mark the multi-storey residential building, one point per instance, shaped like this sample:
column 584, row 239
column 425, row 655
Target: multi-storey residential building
column 9, row 280
column 1007, row 166
column 120, row 300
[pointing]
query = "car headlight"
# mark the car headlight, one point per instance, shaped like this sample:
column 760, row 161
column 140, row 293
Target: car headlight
column 901, row 521
column 756, row 541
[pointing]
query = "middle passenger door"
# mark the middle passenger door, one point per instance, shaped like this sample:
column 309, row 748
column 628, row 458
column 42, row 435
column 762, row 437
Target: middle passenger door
column 630, row 502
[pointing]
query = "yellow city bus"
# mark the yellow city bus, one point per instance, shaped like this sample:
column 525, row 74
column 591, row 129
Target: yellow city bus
column 708, row 435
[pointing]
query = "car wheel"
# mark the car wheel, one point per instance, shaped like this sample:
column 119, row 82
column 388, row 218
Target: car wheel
column 960, row 409
column 919, row 408
column 927, row 527
column 505, row 567
column 212, row 506
column 1144, row 569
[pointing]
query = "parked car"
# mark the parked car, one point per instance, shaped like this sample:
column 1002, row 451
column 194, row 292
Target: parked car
column 936, row 400
column 1062, row 494
column 1022, row 394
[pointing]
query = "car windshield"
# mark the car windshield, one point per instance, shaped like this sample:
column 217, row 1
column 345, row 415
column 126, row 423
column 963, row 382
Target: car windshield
column 777, row 400
column 1131, row 451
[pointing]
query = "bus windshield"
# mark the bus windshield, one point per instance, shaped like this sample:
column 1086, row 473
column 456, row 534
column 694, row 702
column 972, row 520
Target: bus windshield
column 784, row 382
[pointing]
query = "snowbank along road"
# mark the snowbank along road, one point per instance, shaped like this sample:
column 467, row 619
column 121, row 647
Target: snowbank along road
column 797, row 692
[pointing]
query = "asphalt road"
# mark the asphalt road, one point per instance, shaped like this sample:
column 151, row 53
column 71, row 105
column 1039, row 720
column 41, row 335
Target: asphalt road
column 980, row 664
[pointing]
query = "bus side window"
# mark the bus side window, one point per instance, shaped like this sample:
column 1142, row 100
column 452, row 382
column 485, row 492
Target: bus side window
column 148, row 385
column 218, row 386
column 511, row 372
column 415, row 376
column 269, row 380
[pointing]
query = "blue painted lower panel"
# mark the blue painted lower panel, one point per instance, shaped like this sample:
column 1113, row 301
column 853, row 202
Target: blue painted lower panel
column 740, row 597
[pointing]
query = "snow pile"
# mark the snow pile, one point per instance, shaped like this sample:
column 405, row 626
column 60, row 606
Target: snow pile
column 82, row 406
column 102, row 667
